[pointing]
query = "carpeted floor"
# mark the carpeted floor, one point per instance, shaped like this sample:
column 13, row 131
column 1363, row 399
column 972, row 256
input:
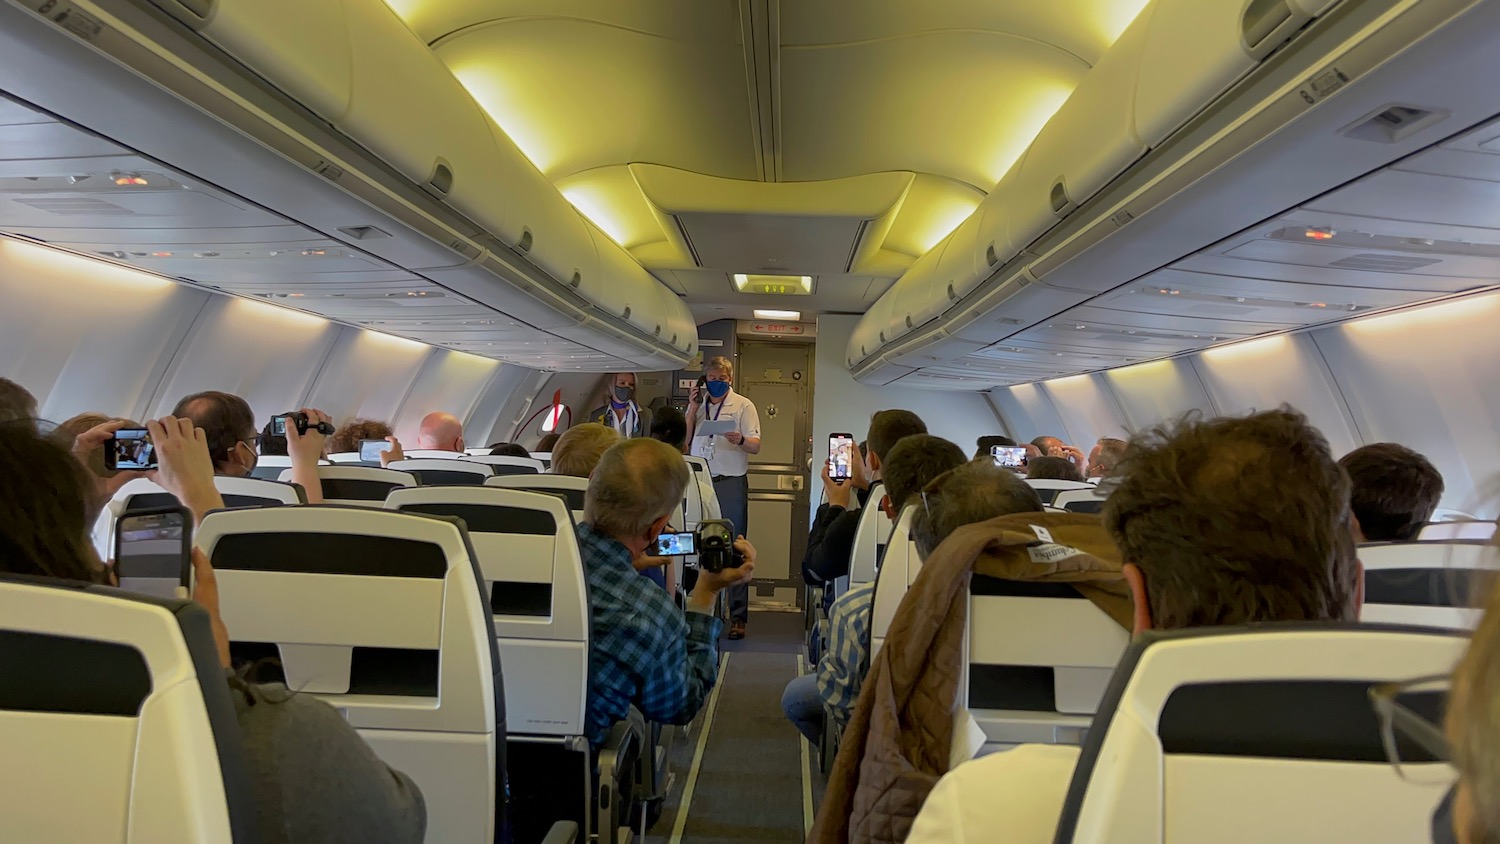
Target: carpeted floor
column 750, row 778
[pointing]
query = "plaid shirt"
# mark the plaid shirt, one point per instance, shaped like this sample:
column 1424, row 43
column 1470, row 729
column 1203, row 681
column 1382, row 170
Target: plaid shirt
column 842, row 668
column 641, row 650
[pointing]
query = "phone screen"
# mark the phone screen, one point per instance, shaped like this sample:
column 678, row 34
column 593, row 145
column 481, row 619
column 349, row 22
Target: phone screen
column 152, row 551
column 278, row 426
column 130, row 448
column 1008, row 456
column 369, row 450
column 840, row 456
column 676, row 545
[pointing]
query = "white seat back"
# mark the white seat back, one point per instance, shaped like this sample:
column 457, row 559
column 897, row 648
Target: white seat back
column 538, row 601
column 899, row 567
column 139, row 494
column 1480, row 530
column 1048, row 488
column 358, row 486
column 872, row 535
column 1447, row 514
column 705, row 480
column 544, row 456
column 1262, row 733
column 1039, row 657
column 269, row 467
column 380, row 614
column 501, row 464
column 344, row 458
column 1440, row 583
column 440, row 472
column 570, row 489
column 256, row 492
column 430, row 454
column 116, row 720
column 1079, row 500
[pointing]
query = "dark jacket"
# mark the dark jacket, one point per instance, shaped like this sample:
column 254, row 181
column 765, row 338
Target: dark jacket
column 831, row 541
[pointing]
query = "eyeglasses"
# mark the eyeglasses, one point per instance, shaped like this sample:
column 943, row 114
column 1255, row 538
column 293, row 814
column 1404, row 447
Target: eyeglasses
column 1411, row 713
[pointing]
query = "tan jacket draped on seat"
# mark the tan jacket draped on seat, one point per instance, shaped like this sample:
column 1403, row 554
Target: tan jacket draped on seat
column 897, row 743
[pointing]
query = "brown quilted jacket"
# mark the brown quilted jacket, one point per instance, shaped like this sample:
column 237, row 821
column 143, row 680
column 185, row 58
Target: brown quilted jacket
column 897, row 743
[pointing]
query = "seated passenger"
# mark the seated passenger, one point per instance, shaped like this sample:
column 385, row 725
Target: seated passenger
column 1221, row 522
column 312, row 776
column 509, row 450
column 1392, row 490
column 106, row 481
column 914, row 462
column 670, row 427
column 1054, row 447
column 834, row 527
column 16, row 402
column 347, row 439
column 1052, row 469
column 578, row 451
column 1105, row 457
column 229, row 426
column 546, row 443
column 620, row 410
column 1470, row 814
column 644, row 651
column 441, row 432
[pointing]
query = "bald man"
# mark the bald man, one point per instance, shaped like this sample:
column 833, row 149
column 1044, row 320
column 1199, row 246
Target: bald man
column 442, row 432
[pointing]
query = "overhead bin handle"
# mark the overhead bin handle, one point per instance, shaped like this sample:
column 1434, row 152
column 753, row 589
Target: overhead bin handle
column 1062, row 205
column 441, row 181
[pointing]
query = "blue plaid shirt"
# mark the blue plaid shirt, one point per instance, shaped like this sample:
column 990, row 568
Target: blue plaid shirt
column 841, row 671
column 642, row 651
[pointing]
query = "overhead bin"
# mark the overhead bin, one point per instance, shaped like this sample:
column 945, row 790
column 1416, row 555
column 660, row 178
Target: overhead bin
column 913, row 295
column 1175, row 58
column 359, row 68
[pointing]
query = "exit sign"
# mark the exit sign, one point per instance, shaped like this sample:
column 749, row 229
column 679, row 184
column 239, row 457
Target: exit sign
column 796, row 329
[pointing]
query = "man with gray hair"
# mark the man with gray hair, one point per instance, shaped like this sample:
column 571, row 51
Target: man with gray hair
column 643, row 650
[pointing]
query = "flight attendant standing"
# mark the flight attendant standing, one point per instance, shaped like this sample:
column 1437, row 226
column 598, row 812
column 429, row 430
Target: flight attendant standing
column 725, row 430
column 620, row 410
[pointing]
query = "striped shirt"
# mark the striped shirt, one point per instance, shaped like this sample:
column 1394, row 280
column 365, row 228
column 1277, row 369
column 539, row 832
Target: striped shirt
column 841, row 671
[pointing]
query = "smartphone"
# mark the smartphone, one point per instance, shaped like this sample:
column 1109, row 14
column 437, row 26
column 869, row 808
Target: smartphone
column 369, row 450
column 683, row 544
column 153, row 551
column 130, row 448
column 1009, row 456
column 840, row 456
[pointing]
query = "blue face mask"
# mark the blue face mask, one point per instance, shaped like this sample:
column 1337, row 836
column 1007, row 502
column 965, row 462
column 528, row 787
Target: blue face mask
column 718, row 389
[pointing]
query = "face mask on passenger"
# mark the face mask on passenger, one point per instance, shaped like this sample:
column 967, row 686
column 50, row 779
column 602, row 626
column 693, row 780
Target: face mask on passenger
column 718, row 389
column 623, row 394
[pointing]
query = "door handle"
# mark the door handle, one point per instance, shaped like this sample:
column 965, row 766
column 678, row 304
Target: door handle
column 791, row 482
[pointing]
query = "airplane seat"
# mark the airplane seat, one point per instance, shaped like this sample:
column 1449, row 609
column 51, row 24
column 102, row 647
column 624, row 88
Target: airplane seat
column 570, row 489
column 545, row 457
column 268, row 467
column 116, row 720
column 537, row 593
column 1428, row 583
column 1049, row 488
column 432, row 454
column 344, row 458
column 1257, row 733
column 441, row 472
column 1481, row 530
column 898, row 568
column 358, row 486
column 501, row 464
column 1079, row 500
column 1038, row 658
column 256, row 492
column 1447, row 514
column 874, row 532
column 380, row 614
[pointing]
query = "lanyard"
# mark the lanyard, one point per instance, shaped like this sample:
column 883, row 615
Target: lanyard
column 631, row 420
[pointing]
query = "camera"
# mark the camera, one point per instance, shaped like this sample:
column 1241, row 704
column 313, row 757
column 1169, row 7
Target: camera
column 716, row 545
column 278, row 426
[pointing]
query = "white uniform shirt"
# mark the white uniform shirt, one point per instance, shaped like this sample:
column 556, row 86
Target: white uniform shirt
column 723, row 456
column 1014, row 796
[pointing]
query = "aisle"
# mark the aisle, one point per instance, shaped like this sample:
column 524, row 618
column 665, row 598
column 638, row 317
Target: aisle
column 749, row 784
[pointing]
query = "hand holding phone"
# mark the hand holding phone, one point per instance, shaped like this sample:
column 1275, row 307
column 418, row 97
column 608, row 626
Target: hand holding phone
column 1009, row 457
column 153, row 551
column 369, row 450
column 840, row 456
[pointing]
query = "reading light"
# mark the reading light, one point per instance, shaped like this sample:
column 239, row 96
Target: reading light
column 775, row 314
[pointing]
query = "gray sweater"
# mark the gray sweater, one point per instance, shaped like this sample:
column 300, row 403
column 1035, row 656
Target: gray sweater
column 316, row 781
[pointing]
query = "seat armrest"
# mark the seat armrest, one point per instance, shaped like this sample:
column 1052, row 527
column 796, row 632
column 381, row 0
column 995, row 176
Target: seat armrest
column 562, row 832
